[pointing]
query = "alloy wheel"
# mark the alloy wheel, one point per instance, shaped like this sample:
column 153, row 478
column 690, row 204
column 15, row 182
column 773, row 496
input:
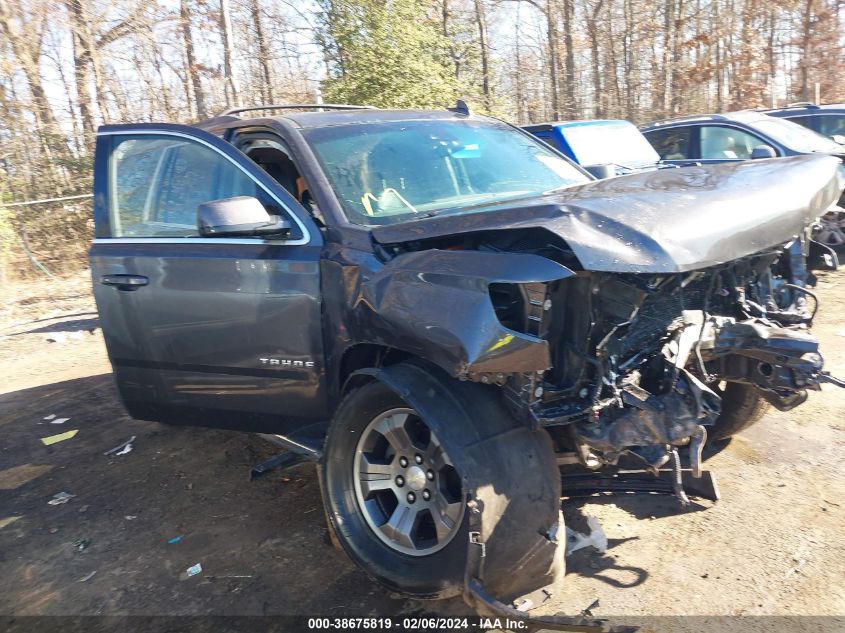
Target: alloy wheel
column 406, row 486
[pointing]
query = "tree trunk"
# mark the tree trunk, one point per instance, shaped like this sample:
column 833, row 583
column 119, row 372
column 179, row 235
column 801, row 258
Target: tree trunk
column 551, row 35
column 481, row 21
column 263, row 52
column 571, row 106
column 192, row 70
column 233, row 91
column 806, row 51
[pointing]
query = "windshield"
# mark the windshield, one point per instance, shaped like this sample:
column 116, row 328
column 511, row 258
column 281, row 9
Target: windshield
column 617, row 143
column 396, row 171
column 796, row 136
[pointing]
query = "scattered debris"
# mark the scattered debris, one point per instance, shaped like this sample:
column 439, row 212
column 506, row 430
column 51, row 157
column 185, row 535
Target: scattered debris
column 130, row 517
column 53, row 530
column 17, row 476
column 174, row 540
column 83, row 509
column 82, row 543
column 125, row 450
column 50, row 417
column 8, row 521
column 797, row 567
column 61, row 437
column 230, row 576
column 120, row 447
column 59, row 498
column 525, row 605
column 588, row 612
column 194, row 570
column 87, row 577
column 59, row 420
column 596, row 538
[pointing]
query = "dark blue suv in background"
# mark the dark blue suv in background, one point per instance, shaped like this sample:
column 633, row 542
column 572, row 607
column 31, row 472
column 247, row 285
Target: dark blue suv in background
column 828, row 120
column 743, row 135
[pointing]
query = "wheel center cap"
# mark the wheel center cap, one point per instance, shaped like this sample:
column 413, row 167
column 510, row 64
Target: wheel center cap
column 416, row 478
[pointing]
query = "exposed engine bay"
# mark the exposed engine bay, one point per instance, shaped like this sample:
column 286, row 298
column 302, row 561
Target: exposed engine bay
column 639, row 362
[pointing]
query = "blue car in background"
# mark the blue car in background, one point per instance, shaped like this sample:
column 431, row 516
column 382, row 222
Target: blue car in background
column 827, row 119
column 603, row 147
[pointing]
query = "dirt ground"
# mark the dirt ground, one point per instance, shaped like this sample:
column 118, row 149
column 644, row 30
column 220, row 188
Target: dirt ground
column 774, row 544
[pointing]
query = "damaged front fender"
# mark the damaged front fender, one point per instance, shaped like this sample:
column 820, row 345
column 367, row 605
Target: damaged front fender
column 436, row 304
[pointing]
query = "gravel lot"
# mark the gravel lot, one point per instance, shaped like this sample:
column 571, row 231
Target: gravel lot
column 774, row 544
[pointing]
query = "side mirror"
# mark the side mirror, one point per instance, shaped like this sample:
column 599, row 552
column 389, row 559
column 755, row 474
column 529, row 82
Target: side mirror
column 242, row 215
column 601, row 171
column 763, row 151
column 839, row 139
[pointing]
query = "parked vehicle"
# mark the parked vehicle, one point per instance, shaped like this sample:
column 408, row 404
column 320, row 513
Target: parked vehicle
column 603, row 147
column 736, row 136
column 828, row 120
column 441, row 308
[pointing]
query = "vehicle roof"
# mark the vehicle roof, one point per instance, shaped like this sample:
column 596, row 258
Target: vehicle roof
column 740, row 116
column 327, row 118
column 543, row 127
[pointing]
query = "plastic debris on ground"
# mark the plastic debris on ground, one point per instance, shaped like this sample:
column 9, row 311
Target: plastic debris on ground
column 130, row 517
column 61, row 437
column 596, row 538
column 59, row 498
column 8, row 521
column 81, row 544
column 588, row 612
column 525, row 605
column 59, row 420
column 120, row 447
column 174, row 540
column 87, row 577
column 193, row 570
column 125, row 450
column 52, row 416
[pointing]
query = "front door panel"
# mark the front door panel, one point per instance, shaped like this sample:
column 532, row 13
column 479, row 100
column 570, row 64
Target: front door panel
column 210, row 331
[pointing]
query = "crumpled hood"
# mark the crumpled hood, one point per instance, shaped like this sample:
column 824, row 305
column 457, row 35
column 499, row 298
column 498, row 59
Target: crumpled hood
column 664, row 221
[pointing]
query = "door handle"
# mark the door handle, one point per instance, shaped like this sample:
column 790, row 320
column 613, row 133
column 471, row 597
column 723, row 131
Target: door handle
column 124, row 282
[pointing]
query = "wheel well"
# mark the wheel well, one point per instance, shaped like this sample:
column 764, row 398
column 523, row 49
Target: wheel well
column 364, row 355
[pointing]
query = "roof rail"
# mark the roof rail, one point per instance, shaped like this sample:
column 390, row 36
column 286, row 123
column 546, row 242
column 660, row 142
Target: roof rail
column 687, row 117
column 802, row 104
column 297, row 106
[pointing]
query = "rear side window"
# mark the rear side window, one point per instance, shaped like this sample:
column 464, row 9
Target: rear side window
column 727, row 143
column 832, row 125
column 672, row 143
column 156, row 184
column 806, row 121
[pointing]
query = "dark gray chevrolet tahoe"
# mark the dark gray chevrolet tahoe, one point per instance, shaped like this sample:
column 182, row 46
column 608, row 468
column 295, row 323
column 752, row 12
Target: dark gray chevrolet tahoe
column 442, row 309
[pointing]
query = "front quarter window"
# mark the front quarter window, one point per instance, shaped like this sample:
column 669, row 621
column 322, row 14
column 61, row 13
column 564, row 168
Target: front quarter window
column 396, row 171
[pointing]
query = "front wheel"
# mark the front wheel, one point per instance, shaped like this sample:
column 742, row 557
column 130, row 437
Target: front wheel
column 397, row 470
column 832, row 230
column 742, row 406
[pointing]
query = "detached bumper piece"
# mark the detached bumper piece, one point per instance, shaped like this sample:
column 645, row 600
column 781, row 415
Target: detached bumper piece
column 586, row 484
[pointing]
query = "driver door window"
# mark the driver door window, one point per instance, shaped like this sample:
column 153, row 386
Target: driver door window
column 157, row 183
column 727, row 143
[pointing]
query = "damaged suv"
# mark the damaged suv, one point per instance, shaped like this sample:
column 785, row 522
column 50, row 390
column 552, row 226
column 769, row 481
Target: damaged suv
column 442, row 309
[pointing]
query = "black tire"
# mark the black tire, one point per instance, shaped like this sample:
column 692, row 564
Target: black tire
column 742, row 406
column 486, row 445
